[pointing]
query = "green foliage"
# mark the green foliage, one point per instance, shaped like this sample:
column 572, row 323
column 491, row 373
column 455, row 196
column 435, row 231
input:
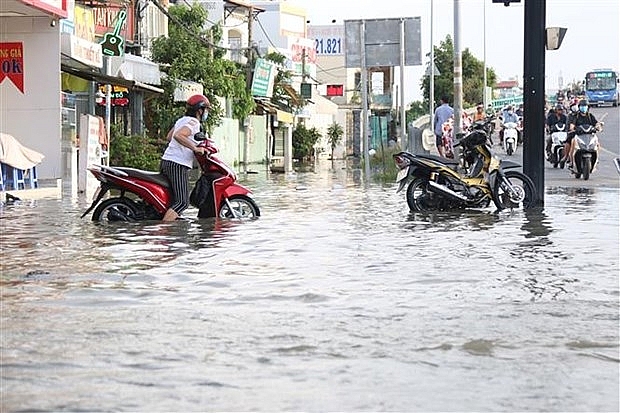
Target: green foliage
column 334, row 136
column 473, row 75
column 383, row 166
column 135, row 151
column 304, row 140
column 188, row 53
column 283, row 77
column 416, row 110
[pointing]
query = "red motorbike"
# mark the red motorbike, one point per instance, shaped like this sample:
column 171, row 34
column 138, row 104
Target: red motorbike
column 145, row 195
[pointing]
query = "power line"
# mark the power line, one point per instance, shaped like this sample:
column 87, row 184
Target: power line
column 192, row 33
column 265, row 32
column 214, row 23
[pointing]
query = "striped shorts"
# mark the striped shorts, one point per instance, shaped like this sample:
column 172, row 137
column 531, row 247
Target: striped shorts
column 178, row 175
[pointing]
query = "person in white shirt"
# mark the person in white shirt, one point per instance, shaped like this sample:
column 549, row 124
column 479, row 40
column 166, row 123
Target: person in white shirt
column 178, row 158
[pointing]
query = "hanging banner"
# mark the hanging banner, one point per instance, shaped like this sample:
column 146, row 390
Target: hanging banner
column 12, row 63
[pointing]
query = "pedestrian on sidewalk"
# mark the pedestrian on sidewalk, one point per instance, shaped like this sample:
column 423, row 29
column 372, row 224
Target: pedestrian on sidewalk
column 442, row 114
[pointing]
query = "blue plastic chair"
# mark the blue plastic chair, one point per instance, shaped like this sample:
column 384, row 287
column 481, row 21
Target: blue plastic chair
column 14, row 179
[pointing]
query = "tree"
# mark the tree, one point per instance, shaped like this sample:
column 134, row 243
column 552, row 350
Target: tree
column 416, row 110
column 281, row 97
column 186, row 54
column 473, row 75
column 304, row 140
column 334, row 135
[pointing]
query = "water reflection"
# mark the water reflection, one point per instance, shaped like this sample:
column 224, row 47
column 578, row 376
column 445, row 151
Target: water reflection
column 536, row 223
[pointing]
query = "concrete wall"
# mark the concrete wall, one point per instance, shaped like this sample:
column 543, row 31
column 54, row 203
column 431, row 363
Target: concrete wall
column 33, row 117
column 230, row 140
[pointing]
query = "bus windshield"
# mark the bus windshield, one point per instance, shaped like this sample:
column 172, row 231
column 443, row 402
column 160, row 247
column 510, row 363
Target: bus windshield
column 600, row 81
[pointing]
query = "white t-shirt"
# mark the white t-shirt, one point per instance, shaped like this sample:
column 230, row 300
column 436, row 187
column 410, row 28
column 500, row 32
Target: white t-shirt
column 176, row 152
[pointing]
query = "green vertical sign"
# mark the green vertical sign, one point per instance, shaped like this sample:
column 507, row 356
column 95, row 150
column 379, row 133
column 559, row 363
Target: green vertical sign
column 262, row 81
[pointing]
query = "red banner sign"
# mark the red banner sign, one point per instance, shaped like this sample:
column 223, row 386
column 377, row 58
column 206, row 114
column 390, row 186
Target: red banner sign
column 12, row 63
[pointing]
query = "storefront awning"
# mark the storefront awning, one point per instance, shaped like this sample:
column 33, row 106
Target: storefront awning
column 132, row 67
column 266, row 106
column 76, row 68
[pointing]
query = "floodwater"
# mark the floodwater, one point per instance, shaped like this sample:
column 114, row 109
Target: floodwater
column 335, row 299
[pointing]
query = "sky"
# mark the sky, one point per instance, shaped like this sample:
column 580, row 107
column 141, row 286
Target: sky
column 591, row 41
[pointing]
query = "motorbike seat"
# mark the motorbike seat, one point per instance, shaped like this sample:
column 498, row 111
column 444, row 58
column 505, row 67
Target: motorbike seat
column 446, row 161
column 149, row 176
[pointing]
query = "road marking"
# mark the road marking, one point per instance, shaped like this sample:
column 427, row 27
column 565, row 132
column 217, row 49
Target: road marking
column 609, row 152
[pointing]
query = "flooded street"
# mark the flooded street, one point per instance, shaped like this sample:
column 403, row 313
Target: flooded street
column 335, row 299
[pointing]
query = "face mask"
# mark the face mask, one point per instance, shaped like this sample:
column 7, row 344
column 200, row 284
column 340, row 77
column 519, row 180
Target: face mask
column 510, row 112
column 205, row 116
column 583, row 109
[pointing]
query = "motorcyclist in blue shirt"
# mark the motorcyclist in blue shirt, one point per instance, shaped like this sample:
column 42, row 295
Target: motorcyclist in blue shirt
column 583, row 117
column 507, row 116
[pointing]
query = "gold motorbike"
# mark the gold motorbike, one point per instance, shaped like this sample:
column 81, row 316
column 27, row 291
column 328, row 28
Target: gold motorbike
column 437, row 183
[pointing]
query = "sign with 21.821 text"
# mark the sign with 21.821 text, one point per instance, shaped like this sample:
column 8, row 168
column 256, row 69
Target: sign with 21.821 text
column 328, row 40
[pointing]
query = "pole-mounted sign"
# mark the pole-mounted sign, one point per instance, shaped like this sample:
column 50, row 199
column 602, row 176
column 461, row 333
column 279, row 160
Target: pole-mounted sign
column 554, row 37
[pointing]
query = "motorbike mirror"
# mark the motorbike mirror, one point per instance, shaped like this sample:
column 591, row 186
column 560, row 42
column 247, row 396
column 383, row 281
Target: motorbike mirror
column 200, row 136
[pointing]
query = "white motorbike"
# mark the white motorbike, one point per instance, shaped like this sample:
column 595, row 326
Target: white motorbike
column 558, row 139
column 586, row 150
column 511, row 136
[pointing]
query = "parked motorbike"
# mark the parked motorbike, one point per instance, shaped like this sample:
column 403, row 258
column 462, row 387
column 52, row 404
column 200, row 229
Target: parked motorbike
column 436, row 183
column 558, row 139
column 490, row 127
column 145, row 195
column 586, row 151
column 511, row 137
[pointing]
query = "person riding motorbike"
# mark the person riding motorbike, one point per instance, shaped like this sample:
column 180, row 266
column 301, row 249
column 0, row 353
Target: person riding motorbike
column 479, row 115
column 178, row 158
column 583, row 117
column 490, row 111
column 508, row 116
column 557, row 116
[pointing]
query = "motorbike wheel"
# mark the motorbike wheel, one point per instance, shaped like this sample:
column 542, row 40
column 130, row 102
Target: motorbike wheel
column 418, row 196
column 586, row 167
column 242, row 207
column 510, row 150
column 116, row 209
column 523, row 194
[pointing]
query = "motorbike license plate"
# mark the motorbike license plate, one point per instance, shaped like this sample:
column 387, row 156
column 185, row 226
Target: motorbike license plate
column 402, row 174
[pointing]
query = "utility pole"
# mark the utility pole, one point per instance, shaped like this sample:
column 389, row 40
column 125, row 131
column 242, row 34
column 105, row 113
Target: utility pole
column 534, row 95
column 403, row 117
column 431, row 91
column 250, row 67
column 484, row 57
column 364, row 86
column 458, row 70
